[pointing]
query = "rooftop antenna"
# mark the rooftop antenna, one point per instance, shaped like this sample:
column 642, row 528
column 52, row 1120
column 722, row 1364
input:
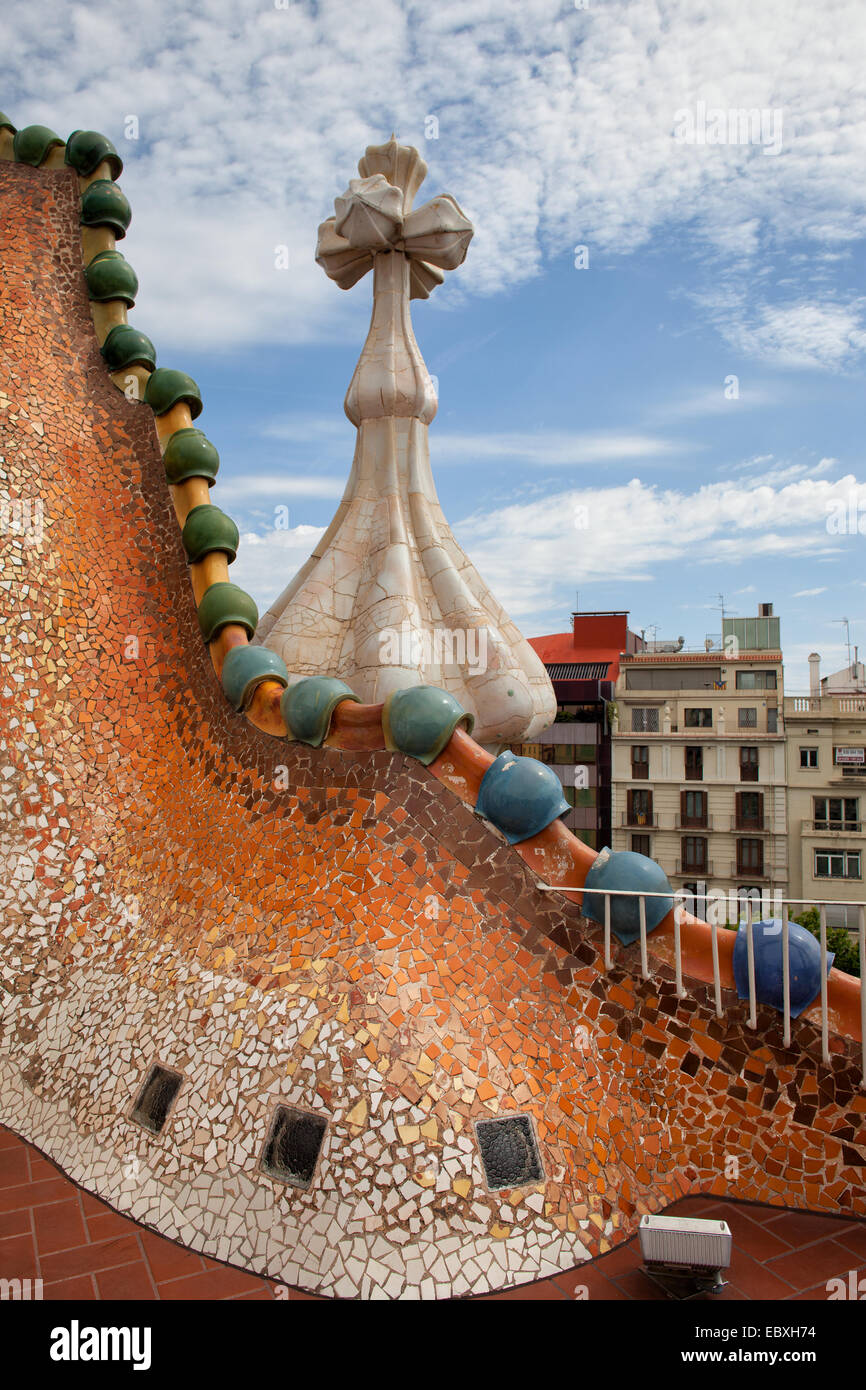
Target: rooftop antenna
column 847, row 638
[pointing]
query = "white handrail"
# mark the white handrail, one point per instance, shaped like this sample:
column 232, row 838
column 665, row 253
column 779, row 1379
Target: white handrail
column 678, row 894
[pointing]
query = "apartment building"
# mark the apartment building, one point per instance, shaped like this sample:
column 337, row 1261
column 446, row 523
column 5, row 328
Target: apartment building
column 699, row 767
column 826, row 774
column 583, row 665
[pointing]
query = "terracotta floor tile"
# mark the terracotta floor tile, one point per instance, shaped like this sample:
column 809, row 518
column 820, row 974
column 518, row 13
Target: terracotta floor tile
column 169, row 1261
column 132, row 1281
column 798, row 1228
column 18, row 1258
column 14, row 1169
column 814, row 1264
column 81, row 1287
column 755, row 1280
column 209, row 1284
column 106, row 1224
column 59, row 1226
column 590, row 1277
column 852, row 1237
column 88, row 1259
column 14, row 1223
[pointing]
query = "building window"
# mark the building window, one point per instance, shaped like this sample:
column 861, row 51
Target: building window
column 564, row 753
column 747, row 718
column 842, row 863
column 756, row 680
column 694, row 852
column 645, row 719
column 808, row 757
column 750, row 810
column 639, row 761
column 693, row 808
column 640, row 844
column 750, row 857
column 836, row 813
column 772, row 720
column 748, row 764
column 694, row 764
column 640, row 807
column 698, row 719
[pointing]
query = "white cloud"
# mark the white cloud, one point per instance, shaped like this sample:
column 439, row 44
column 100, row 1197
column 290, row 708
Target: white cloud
column 555, row 127
column 550, row 448
column 809, row 593
column 629, row 533
column 247, row 486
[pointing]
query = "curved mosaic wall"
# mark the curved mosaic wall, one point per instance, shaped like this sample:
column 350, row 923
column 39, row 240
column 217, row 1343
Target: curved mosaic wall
column 319, row 929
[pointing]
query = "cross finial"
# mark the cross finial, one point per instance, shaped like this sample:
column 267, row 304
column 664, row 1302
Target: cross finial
column 375, row 215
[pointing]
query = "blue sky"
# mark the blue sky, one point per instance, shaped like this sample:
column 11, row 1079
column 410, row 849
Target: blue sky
column 561, row 388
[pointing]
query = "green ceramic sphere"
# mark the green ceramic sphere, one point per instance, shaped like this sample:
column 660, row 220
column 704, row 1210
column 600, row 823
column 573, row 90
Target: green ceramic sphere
column 166, row 387
column 32, row 144
column 110, row 276
column 103, row 204
column 308, row 706
column 6, row 124
column 86, row 149
column 189, row 454
column 420, row 720
column 223, row 604
column 245, row 668
column 124, row 347
column 207, row 529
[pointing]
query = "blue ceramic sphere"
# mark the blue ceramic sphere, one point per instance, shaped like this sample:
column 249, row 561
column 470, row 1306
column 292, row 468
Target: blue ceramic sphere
column 520, row 796
column 629, row 872
column 804, row 956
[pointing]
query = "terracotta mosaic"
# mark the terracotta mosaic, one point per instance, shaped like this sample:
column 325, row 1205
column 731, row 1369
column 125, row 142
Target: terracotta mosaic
column 318, row 928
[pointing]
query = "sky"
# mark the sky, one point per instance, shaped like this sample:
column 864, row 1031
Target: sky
column 650, row 366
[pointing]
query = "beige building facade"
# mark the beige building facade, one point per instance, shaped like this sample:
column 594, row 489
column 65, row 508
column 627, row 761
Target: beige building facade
column 699, row 766
column 826, row 775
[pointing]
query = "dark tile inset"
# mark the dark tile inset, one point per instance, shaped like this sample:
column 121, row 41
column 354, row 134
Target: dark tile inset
column 509, row 1152
column 155, row 1098
column 292, row 1147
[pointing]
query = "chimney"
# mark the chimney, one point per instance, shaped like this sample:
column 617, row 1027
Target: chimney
column 814, row 675
column 765, row 610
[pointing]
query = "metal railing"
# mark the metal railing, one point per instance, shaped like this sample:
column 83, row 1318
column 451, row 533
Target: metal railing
column 683, row 822
column 638, row 820
column 680, row 898
column 760, row 827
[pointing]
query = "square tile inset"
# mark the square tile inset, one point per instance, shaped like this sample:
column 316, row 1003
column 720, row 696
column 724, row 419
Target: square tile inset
column 509, row 1152
column 156, row 1097
column 293, row 1145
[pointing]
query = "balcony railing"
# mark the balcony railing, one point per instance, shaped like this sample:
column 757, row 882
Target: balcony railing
column 683, row 822
column 704, row 870
column 640, row 820
column 833, row 827
column 747, row 826
column 826, row 704
column 739, row 870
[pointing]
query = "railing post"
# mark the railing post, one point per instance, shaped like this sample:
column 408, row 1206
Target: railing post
column 678, row 950
column 608, row 958
column 750, row 947
column 786, row 977
column 825, row 1018
column 644, row 962
column 717, row 978
column 861, row 935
